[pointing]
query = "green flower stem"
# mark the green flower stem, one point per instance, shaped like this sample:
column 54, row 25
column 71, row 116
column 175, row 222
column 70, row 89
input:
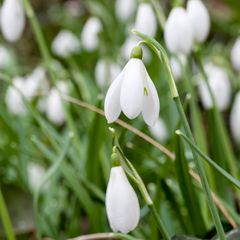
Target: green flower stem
column 201, row 172
column 47, row 60
column 228, row 176
column 6, row 219
column 160, row 52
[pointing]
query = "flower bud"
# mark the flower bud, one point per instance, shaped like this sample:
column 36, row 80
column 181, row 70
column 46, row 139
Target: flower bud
column 35, row 175
column 177, row 64
column 235, row 119
column 65, row 44
column 122, row 204
column 178, row 32
column 220, row 87
column 145, row 20
column 199, row 20
column 90, row 33
column 12, row 19
column 125, row 9
column 235, row 53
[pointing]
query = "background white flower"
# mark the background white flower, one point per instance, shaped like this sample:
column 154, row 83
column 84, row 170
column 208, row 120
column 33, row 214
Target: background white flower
column 178, row 32
column 235, row 53
column 220, row 86
column 89, row 35
column 159, row 130
column 65, row 44
column 235, row 119
column 199, row 19
column 125, row 9
column 12, row 19
column 122, row 204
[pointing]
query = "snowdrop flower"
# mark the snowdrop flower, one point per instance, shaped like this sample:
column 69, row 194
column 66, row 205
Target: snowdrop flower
column 235, row 118
column 235, row 53
column 145, row 20
column 13, row 98
column 5, row 57
column 105, row 72
column 159, row 130
column 35, row 175
column 124, row 9
column 65, row 44
column 176, row 64
column 122, row 204
column 90, row 33
column 220, row 86
column 199, row 19
column 12, row 19
column 178, row 32
column 133, row 92
column 54, row 104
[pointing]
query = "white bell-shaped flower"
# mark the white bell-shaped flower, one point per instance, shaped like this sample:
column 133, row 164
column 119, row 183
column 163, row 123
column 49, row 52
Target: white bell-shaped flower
column 178, row 34
column 199, row 20
column 65, row 44
column 133, row 92
column 235, row 119
column 235, row 53
column 14, row 99
column 159, row 130
column 54, row 104
column 177, row 65
column 105, row 72
column 90, row 32
column 146, row 21
column 5, row 57
column 122, row 204
column 12, row 19
column 220, row 86
column 125, row 9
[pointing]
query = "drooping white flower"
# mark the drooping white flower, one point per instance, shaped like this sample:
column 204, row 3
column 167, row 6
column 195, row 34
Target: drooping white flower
column 12, row 19
column 220, row 86
column 235, row 53
column 105, row 72
column 13, row 98
column 35, row 175
column 199, row 19
column 235, row 119
column 177, row 63
column 146, row 21
column 159, row 130
column 5, row 57
column 54, row 103
column 125, row 9
column 90, row 32
column 65, row 44
column 122, row 204
column 133, row 92
column 178, row 34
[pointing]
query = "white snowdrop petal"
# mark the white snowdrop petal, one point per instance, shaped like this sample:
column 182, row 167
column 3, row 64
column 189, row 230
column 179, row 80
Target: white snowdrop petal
column 178, row 32
column 131, row 94
column 5, row 57
column 235, row 53
column 12, row 19
column 122, row 204
column 151, row 104
column 145, row 20
column 199, row 19
column 89, row 35
column 65, row 44
column 112, row 107
column 125, row 8
column 35, row 175
column 235, row 119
